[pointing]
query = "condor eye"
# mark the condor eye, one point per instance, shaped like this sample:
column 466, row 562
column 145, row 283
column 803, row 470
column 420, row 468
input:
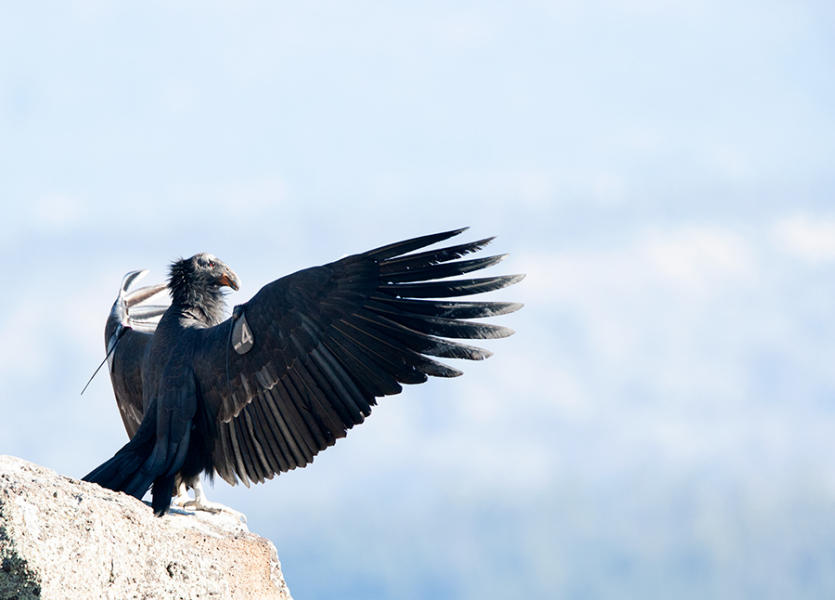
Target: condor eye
column 211, row 264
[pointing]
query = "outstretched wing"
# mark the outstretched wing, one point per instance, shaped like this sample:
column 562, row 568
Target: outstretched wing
column 127, row 333
column 303, row 361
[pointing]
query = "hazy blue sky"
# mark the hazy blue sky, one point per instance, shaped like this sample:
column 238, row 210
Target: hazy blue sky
column 663, row 423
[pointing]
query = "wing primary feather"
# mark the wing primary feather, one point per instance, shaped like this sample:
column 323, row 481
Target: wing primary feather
column 416, row 341
column 318, row 438
column 416, row 344
column 220, row 457
column 435, row 368
column 431, row 257
column 305, row 339
column 325, row 381
column 326, row 403
column 248, row 457
column 391, row 357
column 405, row 246
column 451, row 328
column 448, row 289
column 336, row 374
column 148, row 312
column 144, row 293
column 240, row 452
column 372, row 377
column 224, row 460
column 359, row 402
column 449, row 310
column 320, row 425
column 363, row 365
column 294, row 453
column 241, row 470
column 386, row 355
column 347, row 391
column 271, row 430
column 259, row 459
column 302, row 435
column 442, row 271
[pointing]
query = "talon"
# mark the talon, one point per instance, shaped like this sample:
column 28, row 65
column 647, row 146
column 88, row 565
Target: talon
column 214, row 508
column 207, row 507
column 182, row 498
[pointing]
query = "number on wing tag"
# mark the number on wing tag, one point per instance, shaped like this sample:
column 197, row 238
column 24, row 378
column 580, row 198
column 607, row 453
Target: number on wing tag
column 242, row 340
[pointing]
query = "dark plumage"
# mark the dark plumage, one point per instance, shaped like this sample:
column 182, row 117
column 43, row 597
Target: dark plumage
column 292, row 370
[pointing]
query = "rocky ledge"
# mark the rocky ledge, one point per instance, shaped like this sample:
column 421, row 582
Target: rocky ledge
column 64, row 538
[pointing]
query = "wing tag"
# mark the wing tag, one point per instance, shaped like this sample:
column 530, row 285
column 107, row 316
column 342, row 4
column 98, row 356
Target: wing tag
column 242, row 340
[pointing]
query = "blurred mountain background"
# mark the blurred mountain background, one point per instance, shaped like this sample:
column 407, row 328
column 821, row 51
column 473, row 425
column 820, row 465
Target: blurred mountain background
column 663, row 422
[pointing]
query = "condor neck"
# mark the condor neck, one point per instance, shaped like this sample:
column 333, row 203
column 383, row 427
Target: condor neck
column 205, row 305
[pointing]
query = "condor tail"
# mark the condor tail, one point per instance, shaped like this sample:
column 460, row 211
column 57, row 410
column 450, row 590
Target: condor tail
column 124, row 472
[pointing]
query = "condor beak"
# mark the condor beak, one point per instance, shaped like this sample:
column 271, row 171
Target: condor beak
column 229, row 278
